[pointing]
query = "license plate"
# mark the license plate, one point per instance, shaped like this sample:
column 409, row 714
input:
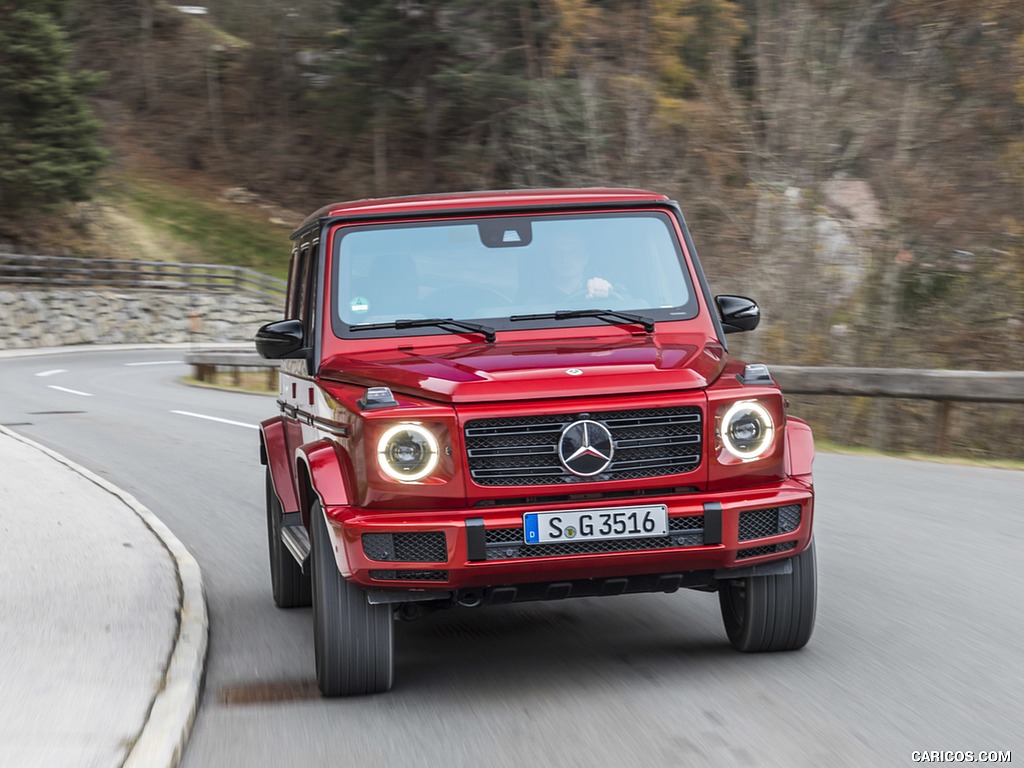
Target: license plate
column 595, row 524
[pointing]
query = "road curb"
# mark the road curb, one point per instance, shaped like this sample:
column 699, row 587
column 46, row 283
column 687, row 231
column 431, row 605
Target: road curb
column 163, row 736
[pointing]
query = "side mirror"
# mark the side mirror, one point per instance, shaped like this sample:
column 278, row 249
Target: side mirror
column 281, row 340
column 738, row 313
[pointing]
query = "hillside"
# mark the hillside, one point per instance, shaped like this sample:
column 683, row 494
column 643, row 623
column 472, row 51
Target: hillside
column 858, row 166
column 147, row 208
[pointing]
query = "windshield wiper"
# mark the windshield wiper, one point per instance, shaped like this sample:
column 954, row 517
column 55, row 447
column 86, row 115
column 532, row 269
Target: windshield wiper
column 445, row 323
column 601, row 314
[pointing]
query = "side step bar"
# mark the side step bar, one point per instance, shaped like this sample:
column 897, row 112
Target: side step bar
column 296, row 539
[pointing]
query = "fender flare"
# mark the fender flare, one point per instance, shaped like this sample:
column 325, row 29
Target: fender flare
column 322, row 466
column 799, row 450
column 274, row 454
column 321, row 470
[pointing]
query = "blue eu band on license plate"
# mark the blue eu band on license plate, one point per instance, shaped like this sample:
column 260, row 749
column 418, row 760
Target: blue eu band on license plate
column 595, row 524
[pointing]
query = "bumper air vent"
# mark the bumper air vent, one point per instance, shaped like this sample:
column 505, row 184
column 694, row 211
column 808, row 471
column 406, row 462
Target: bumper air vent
column 429, row 547
column 760, row 523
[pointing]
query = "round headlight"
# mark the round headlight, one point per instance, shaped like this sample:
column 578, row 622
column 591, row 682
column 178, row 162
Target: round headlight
column 747, row 430
column 407, row 452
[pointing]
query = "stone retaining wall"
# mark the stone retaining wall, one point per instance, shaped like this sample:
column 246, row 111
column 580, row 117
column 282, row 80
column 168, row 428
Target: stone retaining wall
column 50, row 318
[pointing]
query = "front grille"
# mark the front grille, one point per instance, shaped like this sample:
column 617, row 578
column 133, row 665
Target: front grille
column 524, row 450
column 508, row 543
column 771, row 549
column 759, row 523
column 429, row 547
column 409, row 575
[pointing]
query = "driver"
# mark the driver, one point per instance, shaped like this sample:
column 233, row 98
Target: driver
column 569, row 277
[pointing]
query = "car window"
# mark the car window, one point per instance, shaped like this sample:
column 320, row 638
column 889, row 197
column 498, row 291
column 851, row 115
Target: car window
column 290, row 310
column 495, row 268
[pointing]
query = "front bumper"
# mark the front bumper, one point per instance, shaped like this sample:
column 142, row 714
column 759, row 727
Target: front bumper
column 450, row 552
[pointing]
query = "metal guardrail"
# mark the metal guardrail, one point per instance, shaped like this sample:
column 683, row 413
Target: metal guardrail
column 907, row 383
column 944, row 387
column 205, row 365
column 77, row 272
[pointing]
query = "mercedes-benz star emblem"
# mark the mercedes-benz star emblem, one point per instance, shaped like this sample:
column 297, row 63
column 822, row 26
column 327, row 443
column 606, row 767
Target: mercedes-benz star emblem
column 586, row 448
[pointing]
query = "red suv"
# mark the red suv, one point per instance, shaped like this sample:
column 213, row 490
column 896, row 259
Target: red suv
column 503, row 396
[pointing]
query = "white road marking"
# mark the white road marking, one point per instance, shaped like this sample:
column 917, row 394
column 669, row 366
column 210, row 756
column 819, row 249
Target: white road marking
column 215, row 418
column 158, row 362
column 51, row 373
column 69, row 391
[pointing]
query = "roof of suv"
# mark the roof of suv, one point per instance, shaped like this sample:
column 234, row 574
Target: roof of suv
column 513, row 198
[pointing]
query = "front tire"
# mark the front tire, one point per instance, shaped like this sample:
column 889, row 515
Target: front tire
column 291, row 587
column 772, row 613
column 354, row 641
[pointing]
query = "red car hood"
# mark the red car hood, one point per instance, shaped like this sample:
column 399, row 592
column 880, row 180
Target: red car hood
column 533, row 370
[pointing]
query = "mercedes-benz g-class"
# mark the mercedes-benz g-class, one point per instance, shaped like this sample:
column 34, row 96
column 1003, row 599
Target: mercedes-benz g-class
column 504, row 396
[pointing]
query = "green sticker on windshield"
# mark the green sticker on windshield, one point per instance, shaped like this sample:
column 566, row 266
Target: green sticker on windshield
column 359, row 304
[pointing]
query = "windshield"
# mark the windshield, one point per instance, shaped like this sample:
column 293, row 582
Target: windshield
column 495, row 269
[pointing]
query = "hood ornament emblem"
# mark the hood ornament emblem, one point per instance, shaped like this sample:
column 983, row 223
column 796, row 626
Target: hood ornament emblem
column 574, row 372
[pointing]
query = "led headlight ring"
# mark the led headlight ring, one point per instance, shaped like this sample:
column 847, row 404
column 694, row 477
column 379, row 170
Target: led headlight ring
column 407, row 452
column 747, row 430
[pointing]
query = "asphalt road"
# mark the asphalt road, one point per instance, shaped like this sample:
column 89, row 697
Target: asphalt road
column 918, row 643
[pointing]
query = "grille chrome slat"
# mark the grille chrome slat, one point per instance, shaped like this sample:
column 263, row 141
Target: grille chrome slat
column 515, row 472
column 524, row 450
column 639, row 421
column 669, row 461
column 622, row 466
column 654, row 442
column 512, row 431
column 484, row 453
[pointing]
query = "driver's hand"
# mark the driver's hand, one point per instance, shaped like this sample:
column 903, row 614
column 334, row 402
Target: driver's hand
column 598, row 288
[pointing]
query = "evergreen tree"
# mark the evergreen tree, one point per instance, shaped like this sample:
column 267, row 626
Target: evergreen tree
column 392, row 52
column 48, row 148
